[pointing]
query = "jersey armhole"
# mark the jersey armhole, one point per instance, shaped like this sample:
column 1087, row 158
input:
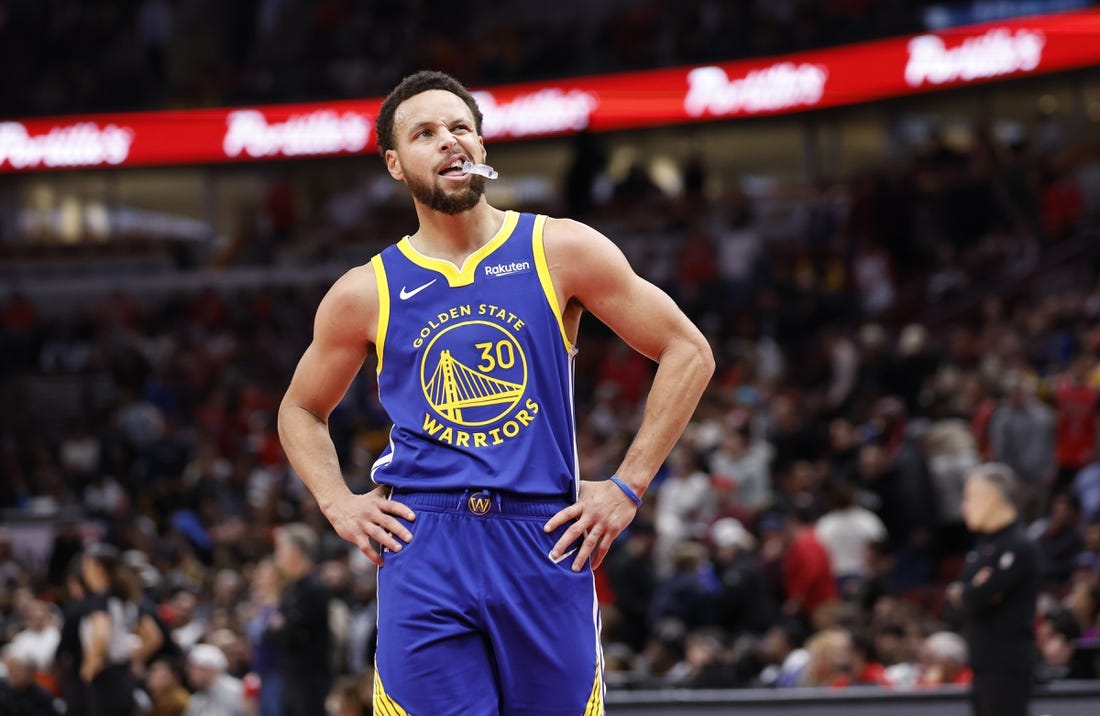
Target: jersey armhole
column 383, row 307
column 543, row 269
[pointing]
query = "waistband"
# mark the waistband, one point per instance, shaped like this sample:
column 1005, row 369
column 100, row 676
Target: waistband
column 484, row 503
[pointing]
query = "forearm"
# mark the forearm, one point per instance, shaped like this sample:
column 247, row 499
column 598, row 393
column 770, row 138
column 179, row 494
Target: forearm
column 308, row 445
column 682, row 375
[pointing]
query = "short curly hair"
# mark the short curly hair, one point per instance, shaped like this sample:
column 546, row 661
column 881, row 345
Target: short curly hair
column 411, row 86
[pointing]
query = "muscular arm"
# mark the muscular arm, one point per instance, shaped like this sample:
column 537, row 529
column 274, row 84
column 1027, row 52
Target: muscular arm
column 343, row 332
column 589, row 271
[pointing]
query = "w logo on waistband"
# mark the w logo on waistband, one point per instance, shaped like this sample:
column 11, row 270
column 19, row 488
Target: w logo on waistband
column 480, row 503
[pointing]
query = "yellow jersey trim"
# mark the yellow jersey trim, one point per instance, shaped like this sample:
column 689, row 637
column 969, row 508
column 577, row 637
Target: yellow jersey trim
column 461, row 276
column 383, row 704
column 547, row 282
column 383, row 307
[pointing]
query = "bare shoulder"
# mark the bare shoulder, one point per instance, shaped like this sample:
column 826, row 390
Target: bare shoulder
column 351, row 304
column 572, row 238
column 581, row 258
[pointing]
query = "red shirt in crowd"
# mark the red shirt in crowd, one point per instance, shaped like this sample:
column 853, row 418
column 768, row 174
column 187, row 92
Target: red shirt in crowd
column 872, row 674
column 807, row 573
column 1076, row 405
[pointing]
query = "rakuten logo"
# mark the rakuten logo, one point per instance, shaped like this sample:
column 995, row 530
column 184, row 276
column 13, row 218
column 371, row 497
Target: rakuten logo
column 547, row 111
column 84, row 144
column 507, row 269
column 784, row 85
column 997, row 52
column 325, row 131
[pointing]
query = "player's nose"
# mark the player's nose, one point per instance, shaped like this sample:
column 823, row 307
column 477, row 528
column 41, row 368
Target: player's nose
column 446, row 140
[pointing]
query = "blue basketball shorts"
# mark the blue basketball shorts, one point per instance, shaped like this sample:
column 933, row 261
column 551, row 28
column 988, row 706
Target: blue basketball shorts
column 474, row 618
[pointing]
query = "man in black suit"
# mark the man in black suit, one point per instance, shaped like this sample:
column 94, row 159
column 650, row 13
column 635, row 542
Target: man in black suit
column 996, row 593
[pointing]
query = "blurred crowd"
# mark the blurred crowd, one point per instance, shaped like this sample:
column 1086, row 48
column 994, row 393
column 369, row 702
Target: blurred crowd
column 170, row 53
column 873, row 345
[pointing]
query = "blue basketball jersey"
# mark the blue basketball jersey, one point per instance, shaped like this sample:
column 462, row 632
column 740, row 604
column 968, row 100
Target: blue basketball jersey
column 475, row 368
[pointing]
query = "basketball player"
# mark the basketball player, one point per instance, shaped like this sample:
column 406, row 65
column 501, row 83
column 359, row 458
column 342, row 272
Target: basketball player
column 486, row 600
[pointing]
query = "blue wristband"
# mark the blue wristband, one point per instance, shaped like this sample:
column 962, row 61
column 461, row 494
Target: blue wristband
column 626, row 489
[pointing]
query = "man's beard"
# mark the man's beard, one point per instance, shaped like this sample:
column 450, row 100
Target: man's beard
column 434, row 197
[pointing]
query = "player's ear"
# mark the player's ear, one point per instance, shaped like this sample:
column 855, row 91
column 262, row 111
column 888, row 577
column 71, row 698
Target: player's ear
column 393, row 165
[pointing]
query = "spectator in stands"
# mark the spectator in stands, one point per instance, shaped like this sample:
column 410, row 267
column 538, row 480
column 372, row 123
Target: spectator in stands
column 1060, row 539
column 704, row 665
column 216, row 693
column 1021, row 433
column 682, row 499
column 782, row 654
column 846, row 531
column 68, row 655
column 1058, row 636
column 865, row 669
column 743, row 464
column 844, row 365
column 37, row 643
column 943, row 660
column 264, row 600
column 807, row 576
column 1076, row 404
column 663, row 650
column 830, row 659
column 1086, row 486
column 1083, row 602
column 633, row 576
column 842, row 454
column 690, row 594
column 20, row 695
column 744, row 606
column 908, row 497
column 952, row 453
column 301, row 626
column 107, row 628
column 875, row 281
column 165, row 686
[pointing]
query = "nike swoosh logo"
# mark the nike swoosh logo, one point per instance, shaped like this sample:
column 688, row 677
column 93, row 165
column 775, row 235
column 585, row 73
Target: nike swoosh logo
column 559, row 559
column 406, row 295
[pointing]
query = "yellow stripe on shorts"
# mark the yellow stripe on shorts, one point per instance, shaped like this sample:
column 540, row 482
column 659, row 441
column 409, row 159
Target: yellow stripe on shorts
column 383, row 704
column 595, row 699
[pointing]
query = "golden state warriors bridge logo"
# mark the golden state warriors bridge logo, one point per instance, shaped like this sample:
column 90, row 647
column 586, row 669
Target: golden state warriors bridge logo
column 474, row 373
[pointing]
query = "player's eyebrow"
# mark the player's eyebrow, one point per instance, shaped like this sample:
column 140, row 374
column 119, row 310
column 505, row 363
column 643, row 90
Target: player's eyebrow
column 431, row 123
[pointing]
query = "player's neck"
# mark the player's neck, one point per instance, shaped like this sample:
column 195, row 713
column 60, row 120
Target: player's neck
column 453, row 237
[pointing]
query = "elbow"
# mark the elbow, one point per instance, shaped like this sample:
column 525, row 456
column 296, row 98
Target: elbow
column 291, row 416
column 690, row 357
column 282, row 418
column 703, row 359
